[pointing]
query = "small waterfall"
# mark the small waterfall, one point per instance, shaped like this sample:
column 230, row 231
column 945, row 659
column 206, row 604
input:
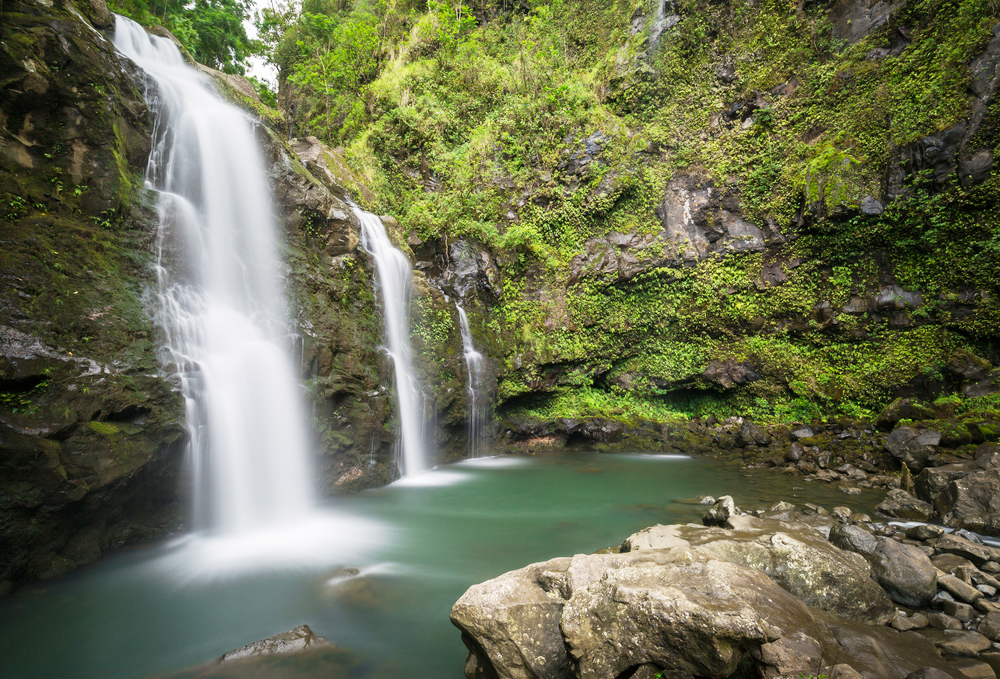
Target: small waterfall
column 395, row 281
column 221, row 302
column 475, row 366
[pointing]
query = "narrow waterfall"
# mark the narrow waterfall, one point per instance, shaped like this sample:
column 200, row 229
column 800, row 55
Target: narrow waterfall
column 475, row 366
column 395, row 281
column 221, row 301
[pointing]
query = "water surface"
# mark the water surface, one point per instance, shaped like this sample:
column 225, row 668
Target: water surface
column 418, row 546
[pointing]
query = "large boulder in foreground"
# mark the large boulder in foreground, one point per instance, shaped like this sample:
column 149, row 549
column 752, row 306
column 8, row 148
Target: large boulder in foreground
column 688, row 601
column 905, row 572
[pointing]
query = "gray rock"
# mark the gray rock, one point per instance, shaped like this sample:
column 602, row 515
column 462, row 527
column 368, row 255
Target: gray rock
column 724, row 508
column 292, row 641
column 989, row 626
column 959, row 611
column 899, row 504
column 977, row 553
column 973, row 502
column 964, row 644
column 924, row 532
column 691, row 617
column 802, row 433
column 752, row 435
column 929, row 673
column 962, row 591
column 905, row 572
column 943, row 621
column 912, row 447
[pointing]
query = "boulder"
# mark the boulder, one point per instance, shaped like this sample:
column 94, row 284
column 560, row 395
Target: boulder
column 688, row 601
column 803, row 563
column 692, row 617
column 752, row 435
column 802, row 433
column 724, row 508
column 964, row 644
column 905, row 572
column 912, row 447
column 932, row 481
column 989, row 626
column 973, row 502
column 975, row 552
column 899, row 504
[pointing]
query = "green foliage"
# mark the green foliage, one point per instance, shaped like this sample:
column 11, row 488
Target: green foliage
column 541, row 130
column 211, row 30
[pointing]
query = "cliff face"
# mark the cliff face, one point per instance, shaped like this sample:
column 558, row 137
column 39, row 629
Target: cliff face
column 90, row 434
column 701, row 209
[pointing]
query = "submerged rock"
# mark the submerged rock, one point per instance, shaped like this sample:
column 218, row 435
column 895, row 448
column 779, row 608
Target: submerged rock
column 292, row 641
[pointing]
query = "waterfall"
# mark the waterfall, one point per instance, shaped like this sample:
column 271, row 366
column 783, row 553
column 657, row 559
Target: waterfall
column 395, row 281
column 220, row 297
column 475, row 366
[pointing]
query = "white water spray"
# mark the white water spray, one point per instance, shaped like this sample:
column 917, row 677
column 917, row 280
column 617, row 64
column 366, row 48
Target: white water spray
column 221, row 302
column 395, row 281
column 475, row 366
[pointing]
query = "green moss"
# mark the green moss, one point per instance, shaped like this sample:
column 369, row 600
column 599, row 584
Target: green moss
column 105, row 429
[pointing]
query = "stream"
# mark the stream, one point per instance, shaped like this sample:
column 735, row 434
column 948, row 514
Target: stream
column 417, row 546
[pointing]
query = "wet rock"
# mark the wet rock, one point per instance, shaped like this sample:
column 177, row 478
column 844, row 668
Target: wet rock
column 854, row 19
column 959, row 611
column 975, row 552
column 989, row 626
column 292, row 641
column 802, row 433
column 924, row 532
column 912, row 447
column 729, row 373
column 929, row 673
column 962, row 591
column 752, row 435
column 899, row 504
column 688, row 617
column 905, row 572
column 720, row 512
column 943, row 621
column 905, row 623
column 964, row 644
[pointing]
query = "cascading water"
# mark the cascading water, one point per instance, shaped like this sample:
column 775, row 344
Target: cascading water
column 221, row 302
column 475, row 365
column 395, row 280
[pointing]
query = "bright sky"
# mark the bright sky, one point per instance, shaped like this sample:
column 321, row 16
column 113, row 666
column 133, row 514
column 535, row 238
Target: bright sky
column 258, row 68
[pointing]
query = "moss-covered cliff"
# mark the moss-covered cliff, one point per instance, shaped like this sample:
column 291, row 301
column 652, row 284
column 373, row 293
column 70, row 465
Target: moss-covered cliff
column 90, row 434
column 693, row 208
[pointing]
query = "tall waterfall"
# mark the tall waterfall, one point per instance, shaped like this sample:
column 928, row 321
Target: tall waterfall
column 475, row 366
column 221, row 301
column 395, row 281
